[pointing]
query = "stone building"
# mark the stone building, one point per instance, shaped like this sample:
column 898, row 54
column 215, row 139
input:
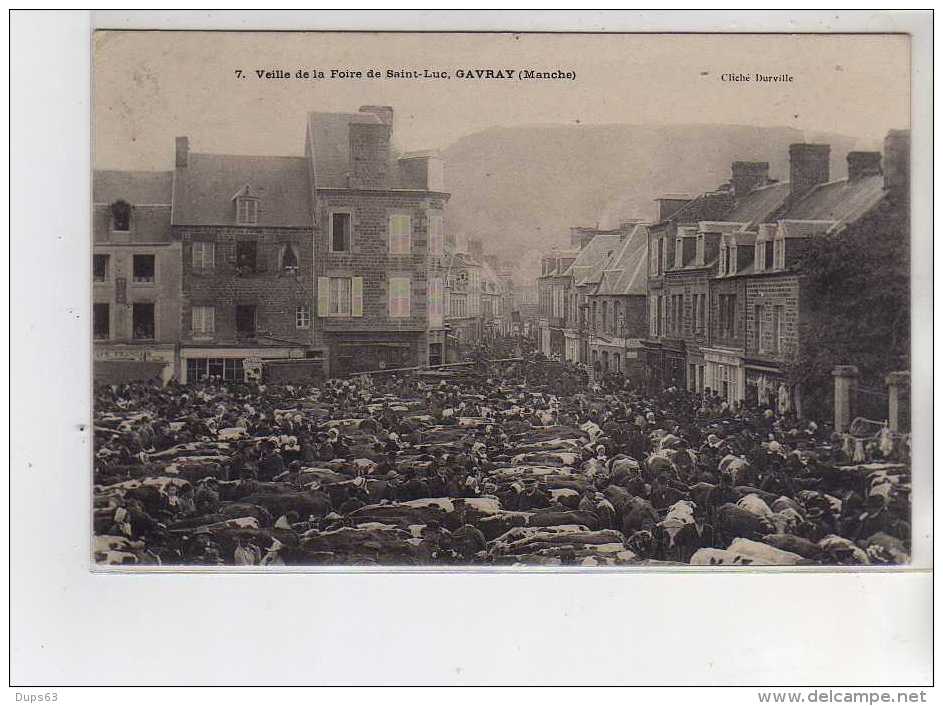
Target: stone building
column 463, row 305
column 136, row 291
column 244, row 226
column 725, row 283
column 477, row 308
column 616, row 295
column 774, row 288
column 379, row 236
column 680, row 260
column 552, row 306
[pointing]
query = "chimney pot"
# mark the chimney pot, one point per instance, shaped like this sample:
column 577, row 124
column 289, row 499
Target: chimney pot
column 808, row 167
column 897, row 161
column 746, row 176
column 862, row 164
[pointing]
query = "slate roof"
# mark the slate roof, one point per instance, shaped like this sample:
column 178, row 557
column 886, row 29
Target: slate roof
column 110, row 185
column 759, row 204
column 626, row 271
column 841, row 201
column 203, row 190
column 149, row 194
column 587, row 267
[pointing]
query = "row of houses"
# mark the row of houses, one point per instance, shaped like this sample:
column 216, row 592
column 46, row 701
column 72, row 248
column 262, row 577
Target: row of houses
column 329, row 263
column 480, row 304
column 711, row 296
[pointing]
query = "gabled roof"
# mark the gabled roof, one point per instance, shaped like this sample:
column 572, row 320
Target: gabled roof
column 626, row 272
column 205, row 188
column 110, row 185
column 588, row 266
column 841, row 201
column 759, row 204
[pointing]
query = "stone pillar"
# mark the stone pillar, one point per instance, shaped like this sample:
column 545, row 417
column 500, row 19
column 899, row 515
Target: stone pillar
column 846, row 384
column 895, row 382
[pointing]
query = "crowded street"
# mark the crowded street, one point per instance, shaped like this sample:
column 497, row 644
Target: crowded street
column 520, row 462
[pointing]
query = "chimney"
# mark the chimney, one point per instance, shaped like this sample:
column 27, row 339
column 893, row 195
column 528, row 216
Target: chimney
column 862, row 164
column 384, row 112
column 669, row 204
column 423, row 171
column 897, row 161
column 747, row 176
column 808, row 167
column 580, row 237
column 369, row 155
column 182, row 151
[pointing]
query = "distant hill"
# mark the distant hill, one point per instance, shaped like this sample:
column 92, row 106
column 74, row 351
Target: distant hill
column 520, row 188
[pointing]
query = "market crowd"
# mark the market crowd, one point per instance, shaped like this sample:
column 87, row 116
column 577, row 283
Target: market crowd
column 513, row 463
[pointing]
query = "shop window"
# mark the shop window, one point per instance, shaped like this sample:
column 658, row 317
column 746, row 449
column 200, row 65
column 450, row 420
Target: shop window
column 228, row 369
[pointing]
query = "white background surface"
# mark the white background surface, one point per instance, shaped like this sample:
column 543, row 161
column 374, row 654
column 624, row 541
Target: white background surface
column 70, row 626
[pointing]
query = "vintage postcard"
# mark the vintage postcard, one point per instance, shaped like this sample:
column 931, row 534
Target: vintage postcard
column 501, row 300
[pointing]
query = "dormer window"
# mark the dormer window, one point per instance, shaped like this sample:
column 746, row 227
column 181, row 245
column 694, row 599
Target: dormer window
column 247, row 211
column 121, row 216
column 722, row 266
column 699, row 250
column 732, row 260
column 247, row 207
column 679, row 253
column 759, row 256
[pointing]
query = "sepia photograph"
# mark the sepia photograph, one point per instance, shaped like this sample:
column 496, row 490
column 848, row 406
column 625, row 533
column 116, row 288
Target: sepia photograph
column 471, row 348
column 648, row 307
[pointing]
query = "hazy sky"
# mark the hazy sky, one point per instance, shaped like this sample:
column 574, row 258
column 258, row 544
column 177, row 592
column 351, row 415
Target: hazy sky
column 152, row 86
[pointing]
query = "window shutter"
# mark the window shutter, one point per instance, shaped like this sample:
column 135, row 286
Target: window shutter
column 324, row 295
column 210, row 319
column 406, row 295
column 356, row 296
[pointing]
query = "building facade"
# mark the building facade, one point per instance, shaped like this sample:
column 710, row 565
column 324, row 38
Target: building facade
column 244, row 227
column 379, row 239
column 136, row 286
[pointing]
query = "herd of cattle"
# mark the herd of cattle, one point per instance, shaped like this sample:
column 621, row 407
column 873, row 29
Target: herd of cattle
column 478, row 470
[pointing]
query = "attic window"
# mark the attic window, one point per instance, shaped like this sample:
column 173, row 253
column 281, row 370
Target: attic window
column 121, row 216
column 247, row 210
